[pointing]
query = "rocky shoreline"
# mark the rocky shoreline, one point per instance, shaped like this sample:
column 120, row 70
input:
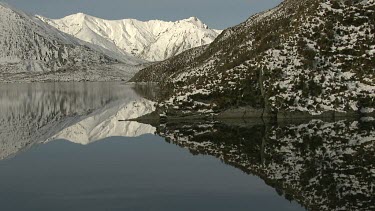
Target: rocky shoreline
column 248, row 113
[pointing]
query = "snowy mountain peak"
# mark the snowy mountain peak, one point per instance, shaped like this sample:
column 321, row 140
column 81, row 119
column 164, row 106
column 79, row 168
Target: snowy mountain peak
column 195, row 21
column 80, row 14
column 77, row 17
column 153, row 40
column 33, row 50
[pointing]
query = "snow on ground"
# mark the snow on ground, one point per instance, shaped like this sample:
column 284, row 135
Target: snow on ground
column 305, row 70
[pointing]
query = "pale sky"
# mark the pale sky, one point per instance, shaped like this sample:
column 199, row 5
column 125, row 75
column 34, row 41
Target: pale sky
column 217, row 14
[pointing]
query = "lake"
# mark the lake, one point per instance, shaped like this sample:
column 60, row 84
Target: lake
column 62, row 147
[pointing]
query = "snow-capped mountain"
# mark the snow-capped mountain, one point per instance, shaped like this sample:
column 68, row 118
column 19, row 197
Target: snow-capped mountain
column 153, row 40
column 31, row 49
column 306, row 57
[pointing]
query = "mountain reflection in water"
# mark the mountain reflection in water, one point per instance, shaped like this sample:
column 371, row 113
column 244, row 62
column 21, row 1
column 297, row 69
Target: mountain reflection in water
column 81, row 112
column 321, row 165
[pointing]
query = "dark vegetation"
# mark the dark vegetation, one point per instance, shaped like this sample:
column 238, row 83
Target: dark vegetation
column 235, row 67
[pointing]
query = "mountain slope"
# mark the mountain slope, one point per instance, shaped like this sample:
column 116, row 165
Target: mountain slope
column 31, row 49
column 152, row 40
column 309, row 56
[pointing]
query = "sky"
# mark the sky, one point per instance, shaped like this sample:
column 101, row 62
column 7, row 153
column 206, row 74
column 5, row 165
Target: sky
column 218, row 14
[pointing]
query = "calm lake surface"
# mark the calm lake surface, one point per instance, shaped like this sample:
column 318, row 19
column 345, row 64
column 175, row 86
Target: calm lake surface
column 63, row 148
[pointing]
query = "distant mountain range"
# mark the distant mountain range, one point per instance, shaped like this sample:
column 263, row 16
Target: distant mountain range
column 153, row 40
column 308, row 57
column 34, row 51
column 99, row 50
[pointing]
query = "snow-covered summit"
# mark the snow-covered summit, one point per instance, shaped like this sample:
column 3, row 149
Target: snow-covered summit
column 195, row 21
column 30, row 50
column 153, row 40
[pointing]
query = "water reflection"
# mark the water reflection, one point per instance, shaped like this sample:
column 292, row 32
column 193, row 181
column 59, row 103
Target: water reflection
column 81, row 112
column 321, row 165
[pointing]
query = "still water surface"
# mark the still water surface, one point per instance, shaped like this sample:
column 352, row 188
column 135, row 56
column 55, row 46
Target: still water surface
column 62, row 148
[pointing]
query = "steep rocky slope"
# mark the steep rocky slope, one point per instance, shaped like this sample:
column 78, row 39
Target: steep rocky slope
column 31, row 49
column 309, row 56
column 153, row 40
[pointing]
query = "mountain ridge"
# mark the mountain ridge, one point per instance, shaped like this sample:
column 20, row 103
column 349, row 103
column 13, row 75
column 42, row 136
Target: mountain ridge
column 33, row 50
column 311, row 56
column 152, row 40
